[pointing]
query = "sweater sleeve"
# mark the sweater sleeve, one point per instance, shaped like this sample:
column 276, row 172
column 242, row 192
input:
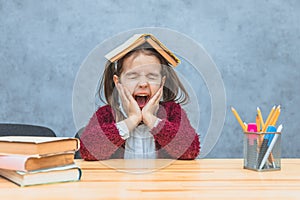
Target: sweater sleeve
column 100, row 139
column 175, row 134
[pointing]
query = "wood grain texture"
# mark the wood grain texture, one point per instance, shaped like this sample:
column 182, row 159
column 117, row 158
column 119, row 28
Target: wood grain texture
column 196, row 179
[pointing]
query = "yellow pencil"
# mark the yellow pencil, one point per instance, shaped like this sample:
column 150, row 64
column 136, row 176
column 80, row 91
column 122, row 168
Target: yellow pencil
column 275, row 116
column 238, row 119
column 260, row 117
column 245, row 126
column 257, row 123
column 268, row 119
column 272, row 121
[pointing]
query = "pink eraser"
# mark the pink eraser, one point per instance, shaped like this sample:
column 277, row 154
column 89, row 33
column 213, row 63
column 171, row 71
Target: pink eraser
column 252, row 127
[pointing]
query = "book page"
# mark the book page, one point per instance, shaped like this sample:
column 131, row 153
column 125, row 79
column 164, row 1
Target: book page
column 59, row 168
column 32, row 139
column 123, row 46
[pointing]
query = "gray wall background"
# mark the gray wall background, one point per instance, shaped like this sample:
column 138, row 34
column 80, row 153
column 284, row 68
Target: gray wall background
column 254, row 43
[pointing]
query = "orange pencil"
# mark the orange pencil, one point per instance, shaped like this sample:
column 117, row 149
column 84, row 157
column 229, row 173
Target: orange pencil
column 246, row 126
column 273, row 121
column 257, row 123
column 238, row 119
column 267, row 123
column 260, row 117
column 276, row 115
column 260, row 136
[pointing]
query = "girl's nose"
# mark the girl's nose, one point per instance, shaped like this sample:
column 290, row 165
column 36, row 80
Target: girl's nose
column 143, row 83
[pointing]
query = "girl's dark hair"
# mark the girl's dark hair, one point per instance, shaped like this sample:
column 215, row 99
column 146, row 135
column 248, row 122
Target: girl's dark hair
column 173, row 89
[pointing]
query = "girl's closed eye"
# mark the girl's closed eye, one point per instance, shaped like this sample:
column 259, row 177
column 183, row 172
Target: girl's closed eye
column 153, row 76
column 132, row 76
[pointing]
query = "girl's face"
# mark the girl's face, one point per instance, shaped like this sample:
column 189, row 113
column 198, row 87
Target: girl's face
column 141, row 75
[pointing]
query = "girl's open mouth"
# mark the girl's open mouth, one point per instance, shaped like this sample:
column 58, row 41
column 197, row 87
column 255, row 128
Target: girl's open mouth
column 142, row 99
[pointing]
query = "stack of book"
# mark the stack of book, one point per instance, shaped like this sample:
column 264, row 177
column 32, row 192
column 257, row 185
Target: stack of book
column 27, row 160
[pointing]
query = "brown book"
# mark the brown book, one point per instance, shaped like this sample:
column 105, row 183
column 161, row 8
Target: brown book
column 52, row 175
column 136, row 41
column 31, row 145
column 35, row 162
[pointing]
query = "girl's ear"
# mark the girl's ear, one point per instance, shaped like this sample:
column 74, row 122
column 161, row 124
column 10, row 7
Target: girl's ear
column 116, row 79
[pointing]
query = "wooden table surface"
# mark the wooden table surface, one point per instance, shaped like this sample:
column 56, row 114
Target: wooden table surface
column 167, row 179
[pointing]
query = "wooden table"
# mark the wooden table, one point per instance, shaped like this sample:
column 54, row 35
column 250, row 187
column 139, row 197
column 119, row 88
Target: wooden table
column 197, row 179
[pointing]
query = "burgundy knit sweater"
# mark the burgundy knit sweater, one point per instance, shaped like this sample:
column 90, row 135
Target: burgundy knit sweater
column 174, row 136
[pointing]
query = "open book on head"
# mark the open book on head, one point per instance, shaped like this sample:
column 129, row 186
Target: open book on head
column 137, row 40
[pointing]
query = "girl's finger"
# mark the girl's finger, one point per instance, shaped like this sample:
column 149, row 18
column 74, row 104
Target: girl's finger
column 157, row 96
column 153, row 101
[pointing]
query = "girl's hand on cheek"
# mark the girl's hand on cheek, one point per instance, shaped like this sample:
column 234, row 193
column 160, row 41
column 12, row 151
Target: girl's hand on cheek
column 130, row 107
column 148, row 112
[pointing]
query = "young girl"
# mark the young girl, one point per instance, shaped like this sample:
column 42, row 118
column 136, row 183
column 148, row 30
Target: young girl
column 136, row 123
